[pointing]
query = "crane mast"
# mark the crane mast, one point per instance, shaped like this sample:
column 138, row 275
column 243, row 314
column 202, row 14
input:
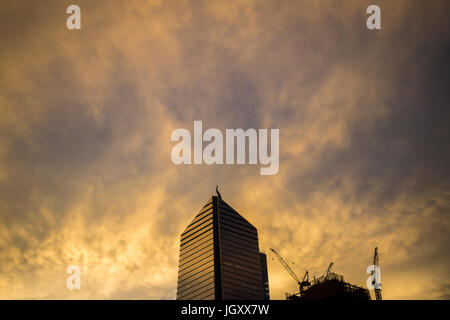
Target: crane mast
column 375, row 262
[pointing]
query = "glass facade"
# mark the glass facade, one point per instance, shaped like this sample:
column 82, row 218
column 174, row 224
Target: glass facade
column 196, row 279
column 265, row 278
column 220, row 258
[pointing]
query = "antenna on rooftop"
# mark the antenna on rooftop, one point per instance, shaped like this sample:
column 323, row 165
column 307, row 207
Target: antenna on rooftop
column 218, row 193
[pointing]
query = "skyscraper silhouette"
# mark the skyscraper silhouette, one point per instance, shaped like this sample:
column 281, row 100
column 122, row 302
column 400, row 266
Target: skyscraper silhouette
column 220, row 258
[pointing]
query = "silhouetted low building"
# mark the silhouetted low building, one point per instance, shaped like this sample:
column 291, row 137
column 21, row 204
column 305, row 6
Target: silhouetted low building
column 331, row 287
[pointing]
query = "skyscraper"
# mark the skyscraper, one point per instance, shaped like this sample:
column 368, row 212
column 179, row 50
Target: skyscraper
column 220, row 258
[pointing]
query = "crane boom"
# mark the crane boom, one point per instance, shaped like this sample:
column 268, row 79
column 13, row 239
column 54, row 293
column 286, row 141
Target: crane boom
column 302, row 284
column 329, row 269
column 286, row 266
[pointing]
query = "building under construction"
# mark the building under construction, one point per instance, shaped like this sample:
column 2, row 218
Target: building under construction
column 330, row 286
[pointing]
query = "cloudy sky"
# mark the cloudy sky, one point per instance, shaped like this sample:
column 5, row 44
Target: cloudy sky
column 86, row 118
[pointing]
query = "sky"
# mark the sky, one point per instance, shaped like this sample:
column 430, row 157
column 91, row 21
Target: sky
column 86, row 118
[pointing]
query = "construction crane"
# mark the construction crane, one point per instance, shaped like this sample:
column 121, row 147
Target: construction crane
column 304, row 283
column 329, row 269
column 375, row 263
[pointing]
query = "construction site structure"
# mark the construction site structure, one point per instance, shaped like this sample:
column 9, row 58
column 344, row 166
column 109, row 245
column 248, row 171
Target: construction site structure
column 330, row 286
